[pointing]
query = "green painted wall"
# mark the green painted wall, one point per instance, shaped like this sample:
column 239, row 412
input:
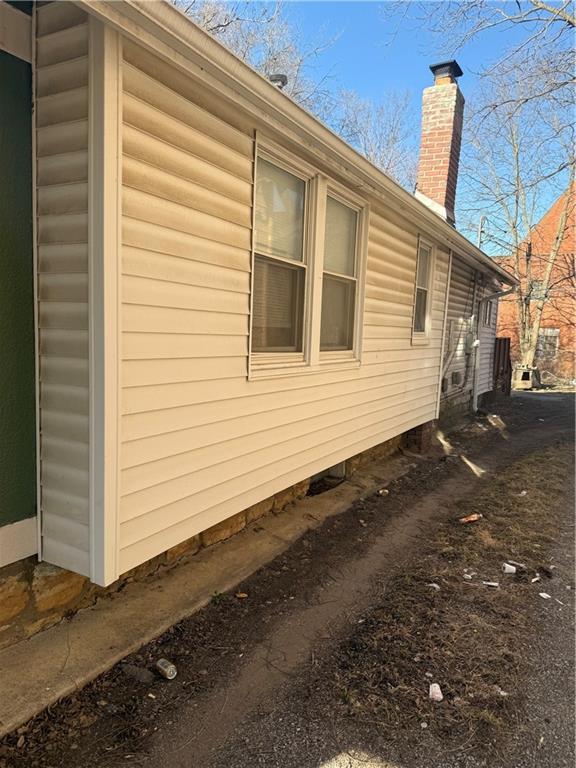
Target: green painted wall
column 17, row 410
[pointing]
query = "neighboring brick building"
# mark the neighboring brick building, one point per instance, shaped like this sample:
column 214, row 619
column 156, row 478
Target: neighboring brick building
column 557, row 336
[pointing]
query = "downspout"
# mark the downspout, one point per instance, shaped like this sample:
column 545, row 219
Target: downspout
column 443, row 344
column 481, row 303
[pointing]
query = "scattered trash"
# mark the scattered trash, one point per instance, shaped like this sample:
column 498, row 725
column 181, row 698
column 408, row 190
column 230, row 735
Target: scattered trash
column 435, row 692
column 363, row 523
column 434, row 586
column 541, row 742
column 241, row 595
column 500, row 691
column 468, row 576
column 471, row 518
column 523, row 493
column 508, row 568
column 519, row 566
column 423, row 725
column 428, row 674
column 166, row 669
column 535, row 579
column 540, row 419
column 558, row 601
column 545, row 595
column 494, row 584
column 151, row 696
column 383, row 491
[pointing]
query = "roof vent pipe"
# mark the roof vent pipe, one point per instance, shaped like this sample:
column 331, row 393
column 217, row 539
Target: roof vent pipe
column 280, row 81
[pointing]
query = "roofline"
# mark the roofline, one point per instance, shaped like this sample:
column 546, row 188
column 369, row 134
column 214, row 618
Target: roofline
column 161, row 27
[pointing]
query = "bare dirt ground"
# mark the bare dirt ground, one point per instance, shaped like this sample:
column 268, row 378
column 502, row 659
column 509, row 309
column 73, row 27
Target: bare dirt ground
column 323, row 659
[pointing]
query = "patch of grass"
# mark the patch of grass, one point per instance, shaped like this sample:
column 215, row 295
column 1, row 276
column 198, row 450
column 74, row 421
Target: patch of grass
column 467, row 637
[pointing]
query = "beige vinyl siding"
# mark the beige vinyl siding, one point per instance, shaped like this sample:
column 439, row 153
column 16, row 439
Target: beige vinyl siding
column 62, row 236
column 201, row 442
column 487, row 338
column 460, row 321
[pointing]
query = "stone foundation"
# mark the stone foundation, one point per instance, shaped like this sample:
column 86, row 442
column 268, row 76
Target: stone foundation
column 420, row 438
column 378, row 452
column 35, row 596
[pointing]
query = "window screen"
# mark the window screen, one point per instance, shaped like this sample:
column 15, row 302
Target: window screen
column 421, row 298
column 279, row 269
column 339, row 280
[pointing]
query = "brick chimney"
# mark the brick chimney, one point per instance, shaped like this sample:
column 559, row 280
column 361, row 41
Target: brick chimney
column 442, row 114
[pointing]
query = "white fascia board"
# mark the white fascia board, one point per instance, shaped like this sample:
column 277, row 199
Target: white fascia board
column 15, row 32
column 163, row 29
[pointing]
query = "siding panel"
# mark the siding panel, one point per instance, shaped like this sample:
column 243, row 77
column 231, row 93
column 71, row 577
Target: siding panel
column 460, row 323
column 62, row 227
column 487, row 338
column 200, row 441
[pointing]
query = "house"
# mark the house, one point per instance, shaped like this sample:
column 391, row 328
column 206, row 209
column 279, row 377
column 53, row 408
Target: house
column 557, row 335
column 229, row 299
column 471, row 310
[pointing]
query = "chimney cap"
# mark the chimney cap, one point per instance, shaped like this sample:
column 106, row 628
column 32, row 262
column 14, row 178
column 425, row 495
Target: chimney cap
column 444, row 68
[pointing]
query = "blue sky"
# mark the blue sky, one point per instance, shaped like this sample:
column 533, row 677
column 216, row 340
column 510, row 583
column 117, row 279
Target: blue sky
column 373, row 55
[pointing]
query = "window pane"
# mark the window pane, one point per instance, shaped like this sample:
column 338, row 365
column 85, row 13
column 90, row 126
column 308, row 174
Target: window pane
column 340, row 238
column 420, row 310
column 279, row 216
column 423, row 267
column 337, row 328
column 277, row 307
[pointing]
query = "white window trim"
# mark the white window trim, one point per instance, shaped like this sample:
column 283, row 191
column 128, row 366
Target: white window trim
column 422, row 338
column 344, row 196
column 488, row 314
column 263, row 365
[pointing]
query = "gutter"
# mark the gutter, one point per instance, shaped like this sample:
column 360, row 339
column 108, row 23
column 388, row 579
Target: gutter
column 162, row 28
column 485, row 299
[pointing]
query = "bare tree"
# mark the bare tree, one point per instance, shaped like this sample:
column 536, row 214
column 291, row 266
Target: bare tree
column 382, row 131
column 518, row 159
column 543, row 35
column 518, row 147
column 260, row 34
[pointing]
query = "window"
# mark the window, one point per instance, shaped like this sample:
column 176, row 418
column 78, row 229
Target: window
column 537, row 290
column 488, row 313
column 422, row 294
column 279, row 262
column 548, row 339
column 339, row 277
column 309, row 244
